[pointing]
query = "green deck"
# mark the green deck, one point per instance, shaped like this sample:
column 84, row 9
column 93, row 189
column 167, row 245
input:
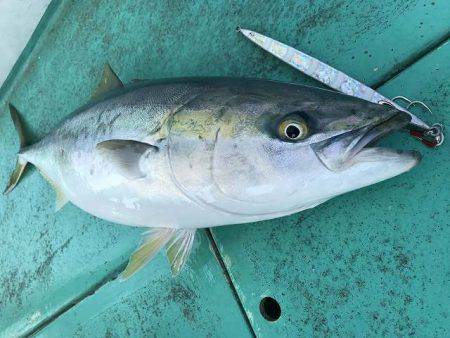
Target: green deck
column 369, row 263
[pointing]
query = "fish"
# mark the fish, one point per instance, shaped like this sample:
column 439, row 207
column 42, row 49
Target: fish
column 173, row 156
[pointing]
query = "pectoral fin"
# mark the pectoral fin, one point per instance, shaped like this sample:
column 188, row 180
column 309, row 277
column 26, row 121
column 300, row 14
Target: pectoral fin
column 154, row 240
column 109, row 82
column 179, row 248
column 125, row 155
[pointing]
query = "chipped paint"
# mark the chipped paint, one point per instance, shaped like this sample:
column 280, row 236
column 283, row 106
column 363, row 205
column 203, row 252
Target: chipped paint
column 35, row 318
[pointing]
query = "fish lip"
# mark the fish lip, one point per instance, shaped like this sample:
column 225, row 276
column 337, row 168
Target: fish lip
column 388, row 153
column 372, row 133
column 337, row 152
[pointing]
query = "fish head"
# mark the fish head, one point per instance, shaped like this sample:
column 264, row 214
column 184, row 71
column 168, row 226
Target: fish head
column 268, row 155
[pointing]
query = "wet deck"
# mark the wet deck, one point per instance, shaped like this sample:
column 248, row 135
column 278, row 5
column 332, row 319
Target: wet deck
column 369, row 263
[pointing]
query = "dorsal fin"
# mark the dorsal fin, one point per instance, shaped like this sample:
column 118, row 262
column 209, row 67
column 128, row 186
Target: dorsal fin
column 109, row 81
column 125, row 155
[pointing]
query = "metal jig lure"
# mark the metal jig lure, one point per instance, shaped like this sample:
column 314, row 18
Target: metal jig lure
column 431, row 136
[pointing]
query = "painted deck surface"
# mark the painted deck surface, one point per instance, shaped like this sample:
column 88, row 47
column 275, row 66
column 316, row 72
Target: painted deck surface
column 367, row 263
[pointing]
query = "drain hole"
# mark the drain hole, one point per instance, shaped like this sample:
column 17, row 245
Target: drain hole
column 270, row 309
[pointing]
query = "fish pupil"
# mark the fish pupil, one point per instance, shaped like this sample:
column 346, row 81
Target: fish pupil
column 292, row 131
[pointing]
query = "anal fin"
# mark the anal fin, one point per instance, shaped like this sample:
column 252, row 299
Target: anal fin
column 154, row 240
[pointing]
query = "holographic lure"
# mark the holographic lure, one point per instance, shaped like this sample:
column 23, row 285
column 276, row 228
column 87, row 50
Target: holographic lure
column 431, row 136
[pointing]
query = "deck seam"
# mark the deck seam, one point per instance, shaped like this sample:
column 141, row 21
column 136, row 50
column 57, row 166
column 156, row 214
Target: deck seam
column 75, row 301
column 114, row 275
column 410, row 61
column 218, row 256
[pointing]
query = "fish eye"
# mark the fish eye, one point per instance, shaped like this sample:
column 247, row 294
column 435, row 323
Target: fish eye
column 293, row 129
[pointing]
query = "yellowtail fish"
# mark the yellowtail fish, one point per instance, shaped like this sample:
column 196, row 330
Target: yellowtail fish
column 177, row 155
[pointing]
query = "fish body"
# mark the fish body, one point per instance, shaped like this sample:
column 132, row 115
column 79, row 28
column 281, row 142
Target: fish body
column 190, row 153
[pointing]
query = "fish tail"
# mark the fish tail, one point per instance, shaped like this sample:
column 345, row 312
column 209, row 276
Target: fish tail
column 21, row 163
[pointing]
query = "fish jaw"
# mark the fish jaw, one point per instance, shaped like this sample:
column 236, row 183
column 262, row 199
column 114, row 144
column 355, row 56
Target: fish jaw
column 374, row 165
column 387, row 162
column 337, row 152
column 355, row 163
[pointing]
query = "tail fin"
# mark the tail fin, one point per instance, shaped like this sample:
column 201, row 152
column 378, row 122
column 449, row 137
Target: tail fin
column 21, row 164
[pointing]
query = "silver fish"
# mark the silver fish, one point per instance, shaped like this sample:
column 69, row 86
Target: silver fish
column 182, row 154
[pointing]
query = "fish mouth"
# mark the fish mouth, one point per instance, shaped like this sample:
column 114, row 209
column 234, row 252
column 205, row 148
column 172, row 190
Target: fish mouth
column 357, row 145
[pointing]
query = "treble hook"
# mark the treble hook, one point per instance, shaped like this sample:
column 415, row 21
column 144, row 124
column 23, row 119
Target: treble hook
column 432, row 136
column 420, row 103
column 411, row 103
column 401, row 98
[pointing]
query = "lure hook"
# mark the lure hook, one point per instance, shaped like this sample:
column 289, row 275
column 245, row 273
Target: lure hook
column 411, row 103
column 432, row 136
column 419, row 103
column 403, row 98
